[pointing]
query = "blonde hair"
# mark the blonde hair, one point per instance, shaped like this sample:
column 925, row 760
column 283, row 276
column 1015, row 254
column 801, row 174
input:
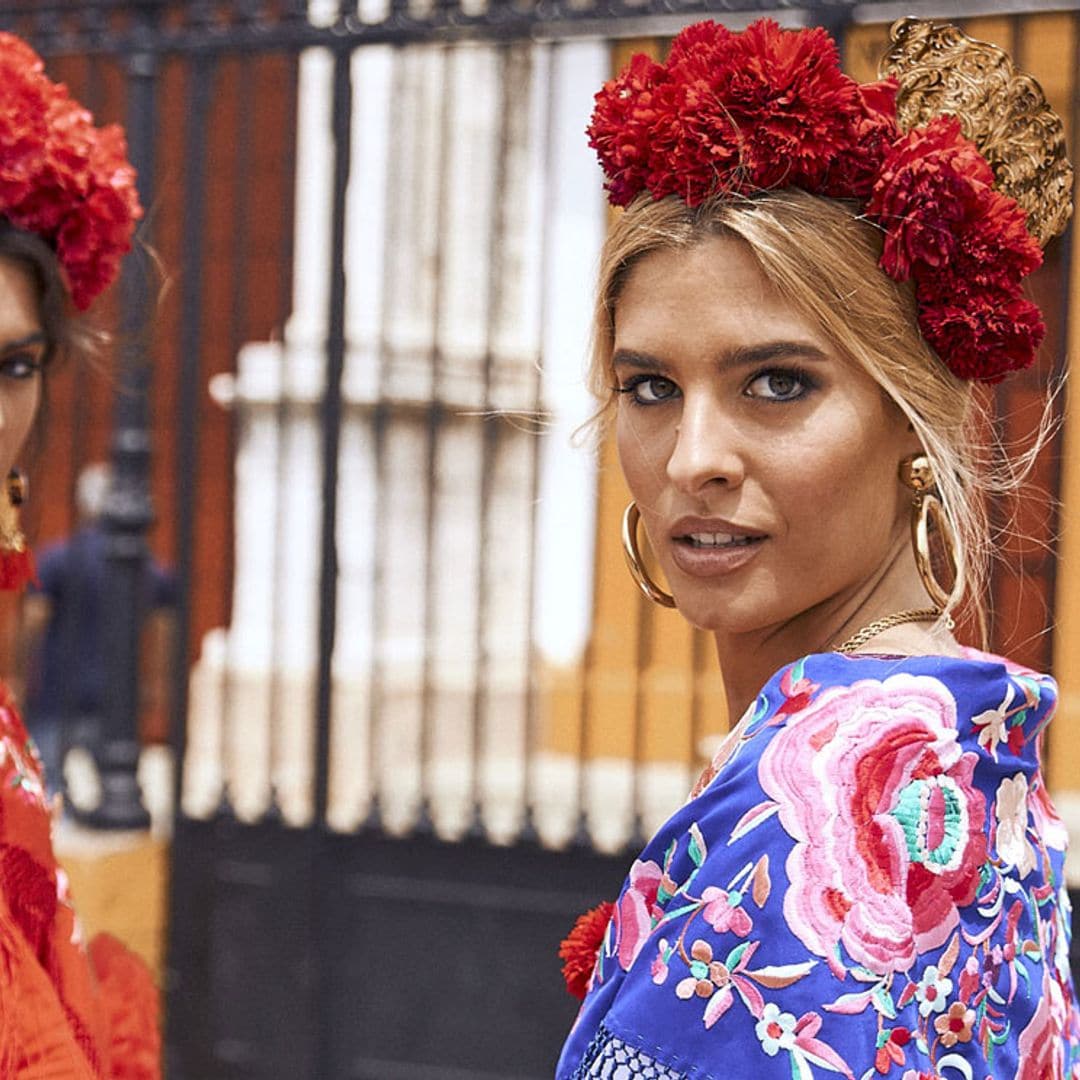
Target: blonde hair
column 822, row 256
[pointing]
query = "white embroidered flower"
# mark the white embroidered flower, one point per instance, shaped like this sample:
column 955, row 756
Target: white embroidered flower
column 1011, row 811
column 776, row 1030
column 932, row 991
column 992, row 724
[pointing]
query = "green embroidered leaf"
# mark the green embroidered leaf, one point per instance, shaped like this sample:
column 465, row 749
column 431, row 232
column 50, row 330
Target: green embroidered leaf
column 670, row 853
column 735, row 955
column 698, row 849
column 800, row 1068
column 883, row 1002
column 862, row 975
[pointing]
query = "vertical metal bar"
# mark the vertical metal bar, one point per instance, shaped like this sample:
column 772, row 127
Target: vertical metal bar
column 128, row 510
column 380, row 422
column 436, row 410
column 188, row 384
column 489, row 444
column 532, row 701
column 184, row 1001
column 239, row 249
column 331, row 427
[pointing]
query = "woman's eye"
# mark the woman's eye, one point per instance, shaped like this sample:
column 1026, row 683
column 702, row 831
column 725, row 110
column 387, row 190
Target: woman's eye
column 20, row 366
column 779, row 386
column 649, row 389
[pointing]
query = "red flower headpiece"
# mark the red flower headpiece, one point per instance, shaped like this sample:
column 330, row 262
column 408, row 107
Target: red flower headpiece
column 738, row 113
column 60, row 176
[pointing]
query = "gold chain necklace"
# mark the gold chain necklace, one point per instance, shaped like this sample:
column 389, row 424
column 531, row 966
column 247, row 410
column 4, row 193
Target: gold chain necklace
column 886, row 623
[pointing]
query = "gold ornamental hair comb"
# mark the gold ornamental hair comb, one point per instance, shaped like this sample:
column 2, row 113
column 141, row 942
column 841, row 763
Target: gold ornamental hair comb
column 1002, row 110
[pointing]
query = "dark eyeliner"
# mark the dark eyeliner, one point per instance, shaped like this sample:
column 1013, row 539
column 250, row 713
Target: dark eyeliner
column 807, row 381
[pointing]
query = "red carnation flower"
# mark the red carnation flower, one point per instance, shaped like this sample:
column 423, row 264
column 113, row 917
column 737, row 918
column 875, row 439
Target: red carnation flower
column 933, row 181
column 996, row 248
column 622, row 127
column 60, row 177
column 579, row 948
column 736, row 113
column 980, row 334
column 856, row 169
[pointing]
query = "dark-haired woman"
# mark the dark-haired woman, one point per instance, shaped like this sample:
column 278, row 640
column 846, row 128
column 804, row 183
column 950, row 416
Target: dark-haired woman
column 68, row 1009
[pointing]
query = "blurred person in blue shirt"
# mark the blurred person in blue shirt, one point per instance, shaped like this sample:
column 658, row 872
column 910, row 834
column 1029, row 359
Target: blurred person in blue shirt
column 63, row 630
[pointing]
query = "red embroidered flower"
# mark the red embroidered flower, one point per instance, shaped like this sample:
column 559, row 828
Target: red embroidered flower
column 60, row 177
column 579, row 948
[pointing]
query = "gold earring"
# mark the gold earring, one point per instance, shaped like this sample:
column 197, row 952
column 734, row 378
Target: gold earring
column 16, row 562
column 18, row 487
column 917, row 474
column 631, row 517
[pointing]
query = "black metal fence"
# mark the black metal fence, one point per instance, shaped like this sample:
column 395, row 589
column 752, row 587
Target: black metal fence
column 384, row 358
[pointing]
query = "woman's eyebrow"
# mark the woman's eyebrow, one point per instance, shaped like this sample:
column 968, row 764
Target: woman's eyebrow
column 743, row 356
column 632, row 358
column 747, row 355
column 36, row 338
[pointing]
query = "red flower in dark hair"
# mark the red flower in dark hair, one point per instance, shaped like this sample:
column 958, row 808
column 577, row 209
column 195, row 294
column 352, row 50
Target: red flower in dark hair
column 60, row 177
column 579, row 948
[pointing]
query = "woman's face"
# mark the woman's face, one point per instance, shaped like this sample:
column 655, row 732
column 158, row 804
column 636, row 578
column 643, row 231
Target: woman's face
column 22, row 350
column 763, row 463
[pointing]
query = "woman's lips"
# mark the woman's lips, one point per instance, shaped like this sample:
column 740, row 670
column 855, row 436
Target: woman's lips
column 713, row 555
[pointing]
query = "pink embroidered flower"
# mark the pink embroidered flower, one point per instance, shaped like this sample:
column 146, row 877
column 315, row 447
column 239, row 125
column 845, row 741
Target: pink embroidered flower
column 1041, row 1049
column 659, row 968
column 1011, row 811
column 724, row 911
column 636, row 911
column 876, row 792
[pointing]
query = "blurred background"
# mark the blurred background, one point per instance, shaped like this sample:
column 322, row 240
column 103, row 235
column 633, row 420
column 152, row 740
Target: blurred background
column 398, row 711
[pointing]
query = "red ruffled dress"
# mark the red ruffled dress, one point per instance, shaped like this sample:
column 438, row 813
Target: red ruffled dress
column 68, row 1010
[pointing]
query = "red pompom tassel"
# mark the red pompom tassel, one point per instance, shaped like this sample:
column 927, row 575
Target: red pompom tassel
column 579, row 948
column 16, row 569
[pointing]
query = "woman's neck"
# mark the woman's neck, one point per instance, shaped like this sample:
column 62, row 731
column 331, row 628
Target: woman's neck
column 748, row 660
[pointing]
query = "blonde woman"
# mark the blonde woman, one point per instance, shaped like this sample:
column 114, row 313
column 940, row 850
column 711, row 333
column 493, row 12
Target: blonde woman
column 807, row 280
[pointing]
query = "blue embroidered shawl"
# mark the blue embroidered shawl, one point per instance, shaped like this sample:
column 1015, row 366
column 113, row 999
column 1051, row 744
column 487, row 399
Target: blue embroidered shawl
column 868, row 881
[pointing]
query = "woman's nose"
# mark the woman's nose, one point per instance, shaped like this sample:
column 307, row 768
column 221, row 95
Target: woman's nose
column 706, row 449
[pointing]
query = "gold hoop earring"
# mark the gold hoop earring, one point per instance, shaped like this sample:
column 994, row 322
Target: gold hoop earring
column 917, row 474
column 631, row 517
